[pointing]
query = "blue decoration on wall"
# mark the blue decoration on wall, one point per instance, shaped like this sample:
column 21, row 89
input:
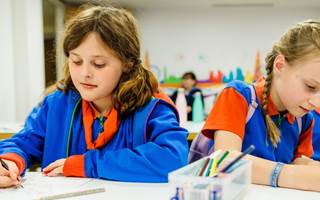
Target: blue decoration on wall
column 239, row 74
column 226, row 79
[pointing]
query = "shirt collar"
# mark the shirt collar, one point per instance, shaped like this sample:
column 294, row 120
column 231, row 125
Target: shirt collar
column 272, row 110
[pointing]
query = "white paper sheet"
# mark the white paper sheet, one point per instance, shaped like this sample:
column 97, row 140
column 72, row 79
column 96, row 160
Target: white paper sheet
column 37, row 186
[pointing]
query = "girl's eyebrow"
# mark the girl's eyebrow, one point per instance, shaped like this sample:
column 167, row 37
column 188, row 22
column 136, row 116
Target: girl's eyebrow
column 74, row 53
column 98, row 56
column 94, row 56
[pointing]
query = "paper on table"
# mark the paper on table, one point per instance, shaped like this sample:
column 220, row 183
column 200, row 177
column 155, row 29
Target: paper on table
column 36, row 186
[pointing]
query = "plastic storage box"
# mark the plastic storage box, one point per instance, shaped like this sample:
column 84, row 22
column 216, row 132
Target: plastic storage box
column 225, row 186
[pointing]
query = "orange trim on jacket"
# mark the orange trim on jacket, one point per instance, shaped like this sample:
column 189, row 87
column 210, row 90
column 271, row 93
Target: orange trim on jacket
column 16, row 159
column 74, row 166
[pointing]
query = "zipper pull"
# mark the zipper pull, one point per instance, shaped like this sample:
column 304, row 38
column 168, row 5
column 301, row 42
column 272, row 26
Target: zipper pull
column 101, row 123
column 280, row 118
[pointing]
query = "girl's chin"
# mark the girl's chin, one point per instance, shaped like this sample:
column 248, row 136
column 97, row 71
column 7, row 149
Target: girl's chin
column 87, row 98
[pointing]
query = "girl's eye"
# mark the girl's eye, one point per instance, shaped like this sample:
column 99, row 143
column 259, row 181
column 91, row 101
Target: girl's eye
column 77, row 62
column 310, row 87
column 99, row 65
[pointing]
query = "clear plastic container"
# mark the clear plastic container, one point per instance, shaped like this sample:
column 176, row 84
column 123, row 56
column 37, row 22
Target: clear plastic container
column 225, row 186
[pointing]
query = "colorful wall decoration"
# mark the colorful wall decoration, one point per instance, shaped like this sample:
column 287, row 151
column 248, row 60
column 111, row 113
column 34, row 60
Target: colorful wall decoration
column 214, row 76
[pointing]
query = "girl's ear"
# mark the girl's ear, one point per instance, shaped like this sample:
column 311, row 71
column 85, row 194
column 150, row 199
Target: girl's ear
column 279, row 63
column 125, row 67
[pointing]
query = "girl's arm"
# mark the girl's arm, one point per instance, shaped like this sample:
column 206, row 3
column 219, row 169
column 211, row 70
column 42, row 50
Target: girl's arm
column 166, row 149
column 26, row 146
column 291, row 176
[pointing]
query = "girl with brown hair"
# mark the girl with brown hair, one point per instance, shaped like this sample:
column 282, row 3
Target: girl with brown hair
column 102, row 120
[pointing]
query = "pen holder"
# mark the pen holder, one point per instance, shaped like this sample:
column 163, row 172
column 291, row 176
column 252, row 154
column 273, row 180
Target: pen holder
column 225, row 186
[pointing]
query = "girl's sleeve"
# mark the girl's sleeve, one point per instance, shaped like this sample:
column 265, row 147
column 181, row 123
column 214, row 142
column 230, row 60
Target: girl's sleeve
column 25, row 147
column 166, row 149
column 228, row 113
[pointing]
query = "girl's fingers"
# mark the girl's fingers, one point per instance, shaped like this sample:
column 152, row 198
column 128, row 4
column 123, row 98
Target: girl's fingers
column 3, row 171
column 56, row 172
column 53, row 165
column 13, row 175
column 6, row 181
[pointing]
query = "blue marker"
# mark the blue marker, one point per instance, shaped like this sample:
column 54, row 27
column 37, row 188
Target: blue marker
column 216, row 193
column 177, row 195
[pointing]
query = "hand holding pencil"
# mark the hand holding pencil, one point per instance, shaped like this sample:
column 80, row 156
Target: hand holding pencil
column 9, row 174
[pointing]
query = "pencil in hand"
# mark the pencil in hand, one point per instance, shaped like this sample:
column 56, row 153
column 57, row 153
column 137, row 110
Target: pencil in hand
column 4, row 165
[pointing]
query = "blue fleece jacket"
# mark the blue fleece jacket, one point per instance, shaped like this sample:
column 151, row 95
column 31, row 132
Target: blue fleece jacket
column 148, row 145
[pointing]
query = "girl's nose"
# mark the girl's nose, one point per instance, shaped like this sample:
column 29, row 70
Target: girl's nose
column 86, row 71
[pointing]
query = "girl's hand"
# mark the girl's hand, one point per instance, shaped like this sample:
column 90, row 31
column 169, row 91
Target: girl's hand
column 9, row 177
column 55, row 168
column 6, row 181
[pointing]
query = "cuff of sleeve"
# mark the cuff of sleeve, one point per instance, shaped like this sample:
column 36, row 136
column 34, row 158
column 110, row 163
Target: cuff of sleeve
column 74, row 166
column 16, row 158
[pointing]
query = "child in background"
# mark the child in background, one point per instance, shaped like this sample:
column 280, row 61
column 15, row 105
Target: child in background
column 316, row 135
column 281, row 125
column 102, row 120
column 189, row 81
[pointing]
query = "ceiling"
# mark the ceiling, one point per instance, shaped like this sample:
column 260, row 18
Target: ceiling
column 201, row 4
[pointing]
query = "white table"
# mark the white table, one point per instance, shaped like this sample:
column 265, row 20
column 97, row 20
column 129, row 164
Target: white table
column 194, row 128
column 131, row 191
column 260, row 192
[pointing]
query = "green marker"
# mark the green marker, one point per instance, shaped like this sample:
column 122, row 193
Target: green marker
column 222, row 157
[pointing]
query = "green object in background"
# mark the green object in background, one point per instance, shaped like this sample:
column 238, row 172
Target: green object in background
column 197, row 108
column 165, row 74
column 172, row 79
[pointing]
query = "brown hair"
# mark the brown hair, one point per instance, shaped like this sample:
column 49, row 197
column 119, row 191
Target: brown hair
column 118, row 29
column 299, row 43
column 189, row 75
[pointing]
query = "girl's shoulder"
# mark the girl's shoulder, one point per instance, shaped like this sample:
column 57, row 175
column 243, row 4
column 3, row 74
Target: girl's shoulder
column 238, row 85
column 156, row 106
column 59, row 96
column 195, row 89
column 242, row 88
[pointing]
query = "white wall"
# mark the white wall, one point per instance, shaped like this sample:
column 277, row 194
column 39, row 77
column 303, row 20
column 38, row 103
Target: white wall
column 181, row 39
column 215, row 38
column 21, row 55
column 7, row 84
